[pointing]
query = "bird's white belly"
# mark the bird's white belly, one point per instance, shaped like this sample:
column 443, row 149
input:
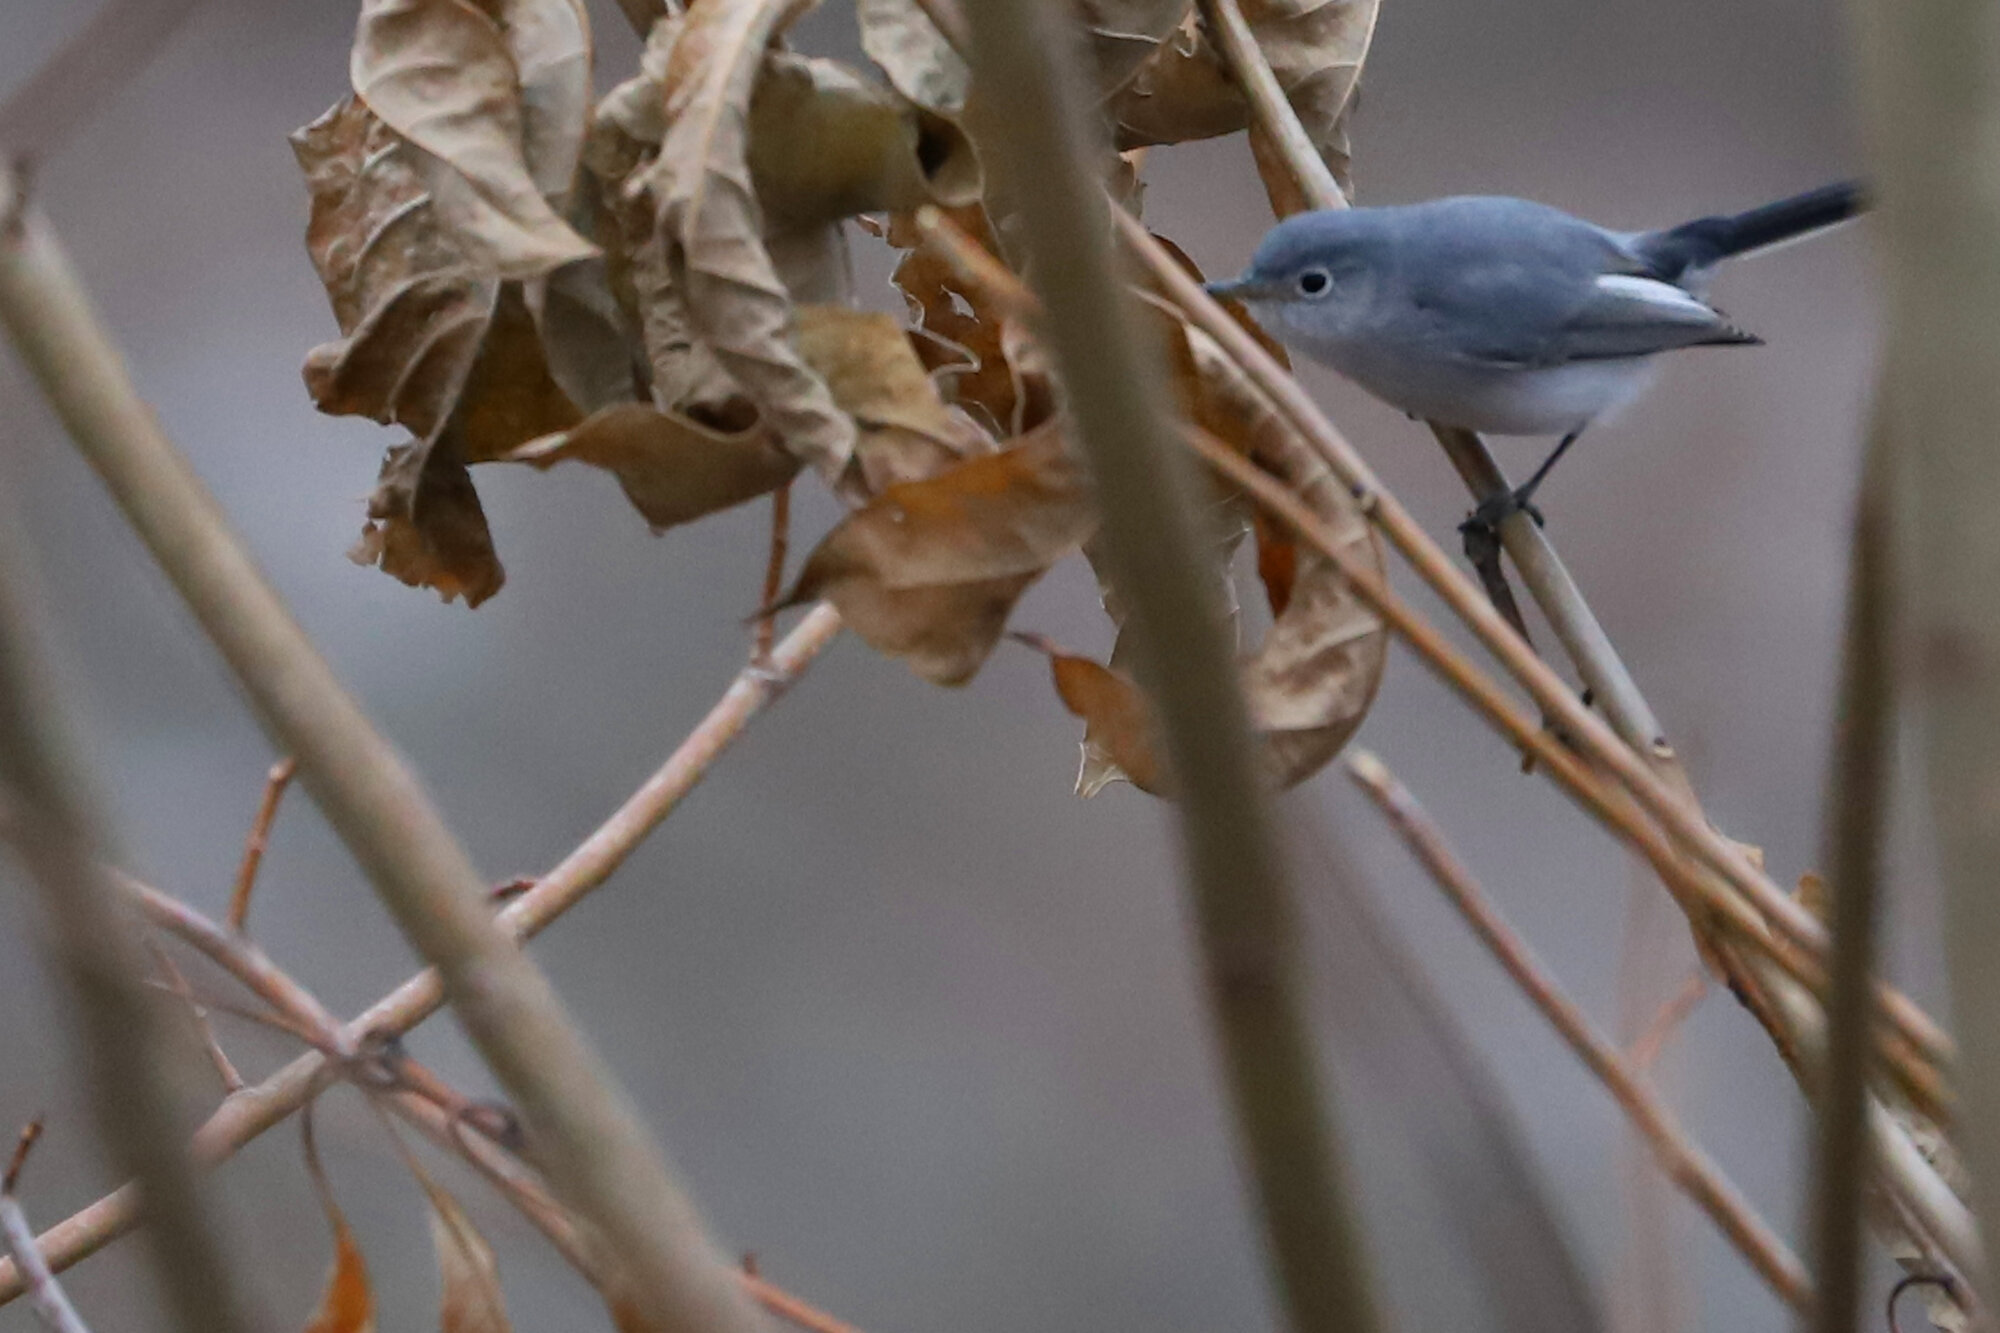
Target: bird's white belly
column 1494, row 400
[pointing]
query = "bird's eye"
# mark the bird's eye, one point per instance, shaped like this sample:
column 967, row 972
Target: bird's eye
column 1315, row 282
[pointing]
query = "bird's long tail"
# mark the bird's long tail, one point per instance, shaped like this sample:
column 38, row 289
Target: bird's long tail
column 1700, row 244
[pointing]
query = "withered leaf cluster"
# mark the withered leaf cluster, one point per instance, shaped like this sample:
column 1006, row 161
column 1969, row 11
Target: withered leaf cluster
column 656, row 283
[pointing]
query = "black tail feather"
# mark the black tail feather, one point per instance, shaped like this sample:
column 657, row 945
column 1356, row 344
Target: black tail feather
column 1707, row 241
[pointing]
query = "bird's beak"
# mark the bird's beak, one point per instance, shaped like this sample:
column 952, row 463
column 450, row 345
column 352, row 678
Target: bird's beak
column 1235, row 289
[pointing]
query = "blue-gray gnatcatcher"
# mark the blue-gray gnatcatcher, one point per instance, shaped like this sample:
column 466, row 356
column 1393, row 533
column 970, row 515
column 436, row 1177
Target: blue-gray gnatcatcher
column 1504, row 316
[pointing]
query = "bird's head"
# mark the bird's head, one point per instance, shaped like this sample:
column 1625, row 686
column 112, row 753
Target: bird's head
column 1312, row 274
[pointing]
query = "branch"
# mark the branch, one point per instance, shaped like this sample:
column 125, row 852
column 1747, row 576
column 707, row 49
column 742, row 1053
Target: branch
column 88, row 73
column 1269, row 107
column 597, row 1149
column 93, row 947
column 1236, row 873
column 48, row 1298
column 1683, row 1162
column 259, row 840
column 1932, row 85
column 242, row 1118
column 1857, row 812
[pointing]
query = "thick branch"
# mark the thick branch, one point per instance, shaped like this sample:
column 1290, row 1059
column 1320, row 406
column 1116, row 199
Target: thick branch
column 1236, row 872
column 596, row 1148
column 94, row 948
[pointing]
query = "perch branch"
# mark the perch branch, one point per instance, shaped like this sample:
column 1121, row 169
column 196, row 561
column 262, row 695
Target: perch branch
column 597, row 1148
column 1679, row 1157
column 245, row 1116
column 44, row 1293
column 1236, row 874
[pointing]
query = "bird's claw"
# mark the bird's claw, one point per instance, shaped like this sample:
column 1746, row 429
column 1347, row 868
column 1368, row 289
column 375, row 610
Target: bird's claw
column 1486, row 518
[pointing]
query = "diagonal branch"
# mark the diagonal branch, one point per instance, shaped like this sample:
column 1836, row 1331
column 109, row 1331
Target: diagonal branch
column 597, row 1148
column 243, row 1117
column 1236, row 874
column 1679, row 1157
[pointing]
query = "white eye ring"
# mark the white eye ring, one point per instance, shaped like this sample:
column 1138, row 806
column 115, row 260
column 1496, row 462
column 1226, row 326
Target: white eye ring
column 1315, row 283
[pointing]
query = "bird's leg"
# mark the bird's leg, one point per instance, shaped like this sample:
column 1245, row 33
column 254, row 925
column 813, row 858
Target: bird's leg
column 1494, row 509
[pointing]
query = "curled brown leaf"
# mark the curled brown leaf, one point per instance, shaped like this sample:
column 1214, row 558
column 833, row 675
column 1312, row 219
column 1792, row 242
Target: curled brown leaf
column 496, row 99
column 929, row 570
column 672, row 468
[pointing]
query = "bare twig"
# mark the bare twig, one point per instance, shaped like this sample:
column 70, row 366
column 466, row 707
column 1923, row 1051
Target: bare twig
column 1269, row 107
column 1236, row 872
column 232, row 1081
column 259, row 840
column 44, row 1293
column 1678, row 1156
column 93, row 947
column 584, row 1127
column 88, row 73
column 1646, row 1047
column 244, row 1117
column 949, row 20
column 1857, row 813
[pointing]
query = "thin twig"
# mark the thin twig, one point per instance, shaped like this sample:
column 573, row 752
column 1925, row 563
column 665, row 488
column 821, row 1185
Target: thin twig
column 1857, row 814
column 1646, row 1047
column 44, row 1293
column 93, row 947
column 949, row 20
column 243, row 1117
column 774, row 571
column 259, row 839
column 103, row 59
column 232, row 1081
column 595, row 1144
column 1679, row 1157
column 1236, row 873
column 1269, row 107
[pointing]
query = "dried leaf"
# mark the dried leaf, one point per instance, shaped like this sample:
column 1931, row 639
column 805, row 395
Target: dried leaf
column 906, row 432
column 497, row 99
column 709, row 215
column 929, row 570
column 347, row 1305
column 468, row 1276
column 1315, row 47
column 1123, row 34
column 826, row 143
column 435, row 342
column 982, row 357
column 913, row 55
column 1120, row 736
column 673, row 469
column 426, row 527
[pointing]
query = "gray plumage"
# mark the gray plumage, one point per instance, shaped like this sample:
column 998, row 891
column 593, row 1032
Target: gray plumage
column 1502, row 315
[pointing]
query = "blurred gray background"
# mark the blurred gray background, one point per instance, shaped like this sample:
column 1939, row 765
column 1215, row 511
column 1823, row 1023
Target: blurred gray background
column 918, row 1025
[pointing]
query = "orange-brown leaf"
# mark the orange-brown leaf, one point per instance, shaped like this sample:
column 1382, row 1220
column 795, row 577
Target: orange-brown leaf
column 347, row 1305
column 673, row 469
column 929, row 570
column 470, row 1300
column 426, row 527
column 1120, row 737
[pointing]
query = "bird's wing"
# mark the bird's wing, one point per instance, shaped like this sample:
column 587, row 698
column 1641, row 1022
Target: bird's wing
column 1625, row 315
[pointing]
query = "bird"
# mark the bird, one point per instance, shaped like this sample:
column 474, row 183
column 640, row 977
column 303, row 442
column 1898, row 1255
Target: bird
column 1506, row 316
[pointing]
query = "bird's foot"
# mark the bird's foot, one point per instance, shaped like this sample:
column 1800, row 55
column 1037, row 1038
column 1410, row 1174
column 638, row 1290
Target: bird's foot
column 1485, row 520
